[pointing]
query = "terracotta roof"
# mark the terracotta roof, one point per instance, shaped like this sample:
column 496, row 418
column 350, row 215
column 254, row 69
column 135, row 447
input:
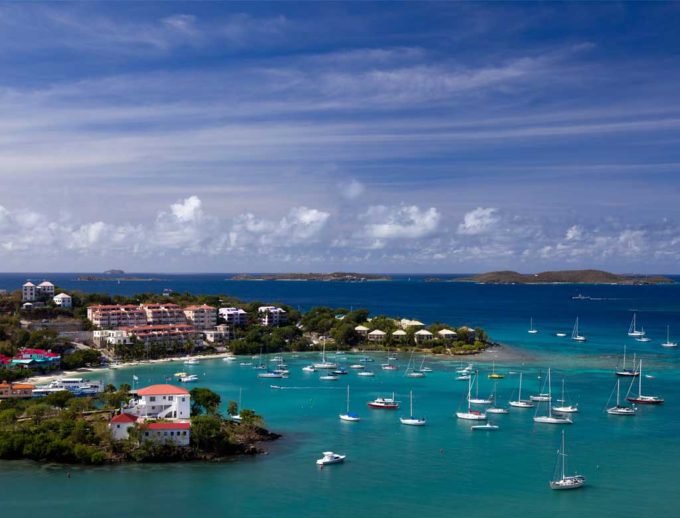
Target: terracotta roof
column 162, row 390
column 124, row 418
column 169, row 426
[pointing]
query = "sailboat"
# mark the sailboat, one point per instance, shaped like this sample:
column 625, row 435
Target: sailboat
column 575, row 334
column 494, row 409
column 550, row 418
column 324, row 363
column 668, row 342
column 471, row 415
column 389, row 366
column 261, row 365
column 477, row 400
column 411, row 420
column 643, row 337
column 237, row 417
column 640, row 399
column 495, row 375
column 620, row 409
column 520, row 403
column 411, row 371
column 565, row 481
column 349, row 416
column 632, row 329
column 531, row 330
column 422, row 367
column 564, row 408
column 625, row 372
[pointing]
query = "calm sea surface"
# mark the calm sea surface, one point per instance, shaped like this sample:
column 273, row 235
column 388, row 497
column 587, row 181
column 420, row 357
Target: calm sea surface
column 441, row 469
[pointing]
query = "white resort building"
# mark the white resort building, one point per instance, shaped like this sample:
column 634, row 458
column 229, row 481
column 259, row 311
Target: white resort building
column 63, row 300
column 113, row 316
column 361, row 330
column 234, row 316
column 30, row 292
column 271, row 316
column 376, row 335
column 422, row 336
column 399, row 334
column 159, row 314
column 201, row 317
column 446, row 334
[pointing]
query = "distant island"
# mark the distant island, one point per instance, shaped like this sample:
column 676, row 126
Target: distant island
column 564, row 277
column 335, row 276
column 114, row 272
column 115, row 279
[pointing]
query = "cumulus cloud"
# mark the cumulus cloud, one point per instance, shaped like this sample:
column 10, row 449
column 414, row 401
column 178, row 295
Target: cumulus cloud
column 404, row 222
column 188, row 209
column 478, row 221
column 352, row 189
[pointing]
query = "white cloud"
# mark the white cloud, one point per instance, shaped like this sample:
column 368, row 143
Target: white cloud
column 574, row 232
column 188, row 209
column 404, row 222
column 478, row 221
column 352, row 189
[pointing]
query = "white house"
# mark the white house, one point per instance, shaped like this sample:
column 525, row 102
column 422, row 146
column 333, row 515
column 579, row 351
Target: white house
column 271, row 316
column 399, row 334
column 362, row 330
column 161, row 402
column 376, row 335
column 120, row 425
column 45, row 288
column 446, row 334
column 28, row 292
column 234, row 316
column 422, row 336
column 63, row 300
column 179, row 433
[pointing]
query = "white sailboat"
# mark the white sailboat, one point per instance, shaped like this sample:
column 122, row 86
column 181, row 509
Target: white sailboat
column 471, row 415
column 494, row 409
column 325, row 365
column 565, row 481
column 531, row 330
column 422, row 367
column 550, row 418
column 575, row 334
column 620, row 409
column 349, row 416
column 632, row 329
column 668, row 342
column 643, row 337
column 563, row 408
column 477, row 400
column 641, row 399
column 520, row 403
column 237, row 417
column 624, row 371
column 411, row 420
column 411, row 371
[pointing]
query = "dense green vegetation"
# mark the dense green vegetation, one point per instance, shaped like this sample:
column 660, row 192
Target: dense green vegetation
column 64, row 428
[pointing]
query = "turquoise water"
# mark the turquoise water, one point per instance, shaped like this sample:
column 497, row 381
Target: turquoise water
column 441, row 469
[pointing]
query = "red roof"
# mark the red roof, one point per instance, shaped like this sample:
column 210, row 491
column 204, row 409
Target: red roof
column 162, row 390
column 124, row 418
column 169, row 426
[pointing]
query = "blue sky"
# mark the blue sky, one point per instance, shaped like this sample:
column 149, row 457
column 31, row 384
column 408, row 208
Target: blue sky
column 400, row 137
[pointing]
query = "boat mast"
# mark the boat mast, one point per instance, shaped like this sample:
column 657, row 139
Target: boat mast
column 564, row 456
column 549, row 395
column 618, row 393
column 348, row 399
column 411, row 396
column 520, row 386
column 640, row 380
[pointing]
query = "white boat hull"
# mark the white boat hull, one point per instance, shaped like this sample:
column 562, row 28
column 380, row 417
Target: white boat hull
column 497, row 411
column 545, row 419
column 522, row 404
column 412, row 421
column 471, row 416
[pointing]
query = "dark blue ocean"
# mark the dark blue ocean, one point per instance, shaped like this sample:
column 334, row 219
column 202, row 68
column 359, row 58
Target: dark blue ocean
column 442, row 469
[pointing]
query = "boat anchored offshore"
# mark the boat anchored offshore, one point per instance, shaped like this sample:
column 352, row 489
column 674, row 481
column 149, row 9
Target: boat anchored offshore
column 641, row 399
column 550, row 418
column 77, row 386
column 189, row 379
column 668, row 342
column 349, row 416
column 563, row 408
column 521, row 403
column 411, row 420
column 366, row 374
column 620, row 409
column 644, row 337
column 565, row 481
column 494, row 409
column 384, row 403
column 486, row 427
column 495, row 375
column 531, row 330
column 632, row 329
column 624, row 371
column 575, row 334
column 330, row 458
column 477, row 400
column 325, row 365
column 471, row 414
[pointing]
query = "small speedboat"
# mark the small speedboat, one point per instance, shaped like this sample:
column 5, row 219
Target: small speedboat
column 229, row 358
column 330, row 458
column 309, row 368
column 357, row 366
column 561, row 334
column 366, row 374
column 270, row 374
column 191, row 361
column 487, row 427
column 189, row 379
column 329, row 377
column 340, row 372
column 463, row 377
column 246, row 364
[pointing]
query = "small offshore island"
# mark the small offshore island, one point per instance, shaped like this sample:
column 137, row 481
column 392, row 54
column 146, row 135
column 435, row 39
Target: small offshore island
column 335, row 277
column 564, row 277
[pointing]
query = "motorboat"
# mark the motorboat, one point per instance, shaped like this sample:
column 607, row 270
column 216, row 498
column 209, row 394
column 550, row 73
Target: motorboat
column 191, row 361
column 270, row 374
column 76, row 386
column 329, row 377
column 246, row 364
column 463, row 377
column 561, row 334
column 229, row 358
column 330, row 458
column 561, row 480
column 366, row 374
column 309, row 368
column 340, row 372
column 643, row 337
column 357, row 366
column 384, row 403
column 189, row 379
column 486, row 427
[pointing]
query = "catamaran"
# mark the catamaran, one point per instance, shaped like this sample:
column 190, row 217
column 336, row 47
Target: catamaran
column 477, row 400
column 632, row 329
column 625, row 372
column 564, row 408
column 471, row 415
column 411, row 420
column 620, row 409
column 640, row 399
column 565, row 481
column 494, row 409
column 520, row 403
column 668, row 342
column 550, row 418
column 575, row 334
column 531, row 330
column 349, row 416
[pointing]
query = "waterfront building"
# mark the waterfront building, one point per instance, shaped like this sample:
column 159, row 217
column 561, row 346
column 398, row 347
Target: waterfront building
column 234, row 317
column 201, row 317
column 361, row 330
column 399, row 334
column 164, row 333
column 27, row 358
column 16, row 390
column 160, row 314
column 63, row 300
column 120, row 425
column 272, row 316
column 446, row 334
column 160, row 402
column 175, row 432
column 423, row 336
column 110, row 337
column 217, row 335
column 376, row 335
column 114, row 316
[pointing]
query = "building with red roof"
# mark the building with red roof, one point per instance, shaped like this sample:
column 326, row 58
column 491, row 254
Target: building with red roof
column 161, row 402
column 175, row 432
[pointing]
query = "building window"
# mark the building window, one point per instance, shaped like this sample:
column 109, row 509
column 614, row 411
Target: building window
column 152, row 398
column 169, row 398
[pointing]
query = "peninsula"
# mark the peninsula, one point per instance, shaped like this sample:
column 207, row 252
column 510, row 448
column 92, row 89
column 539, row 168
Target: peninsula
column 335, row 276
column 564, row 277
